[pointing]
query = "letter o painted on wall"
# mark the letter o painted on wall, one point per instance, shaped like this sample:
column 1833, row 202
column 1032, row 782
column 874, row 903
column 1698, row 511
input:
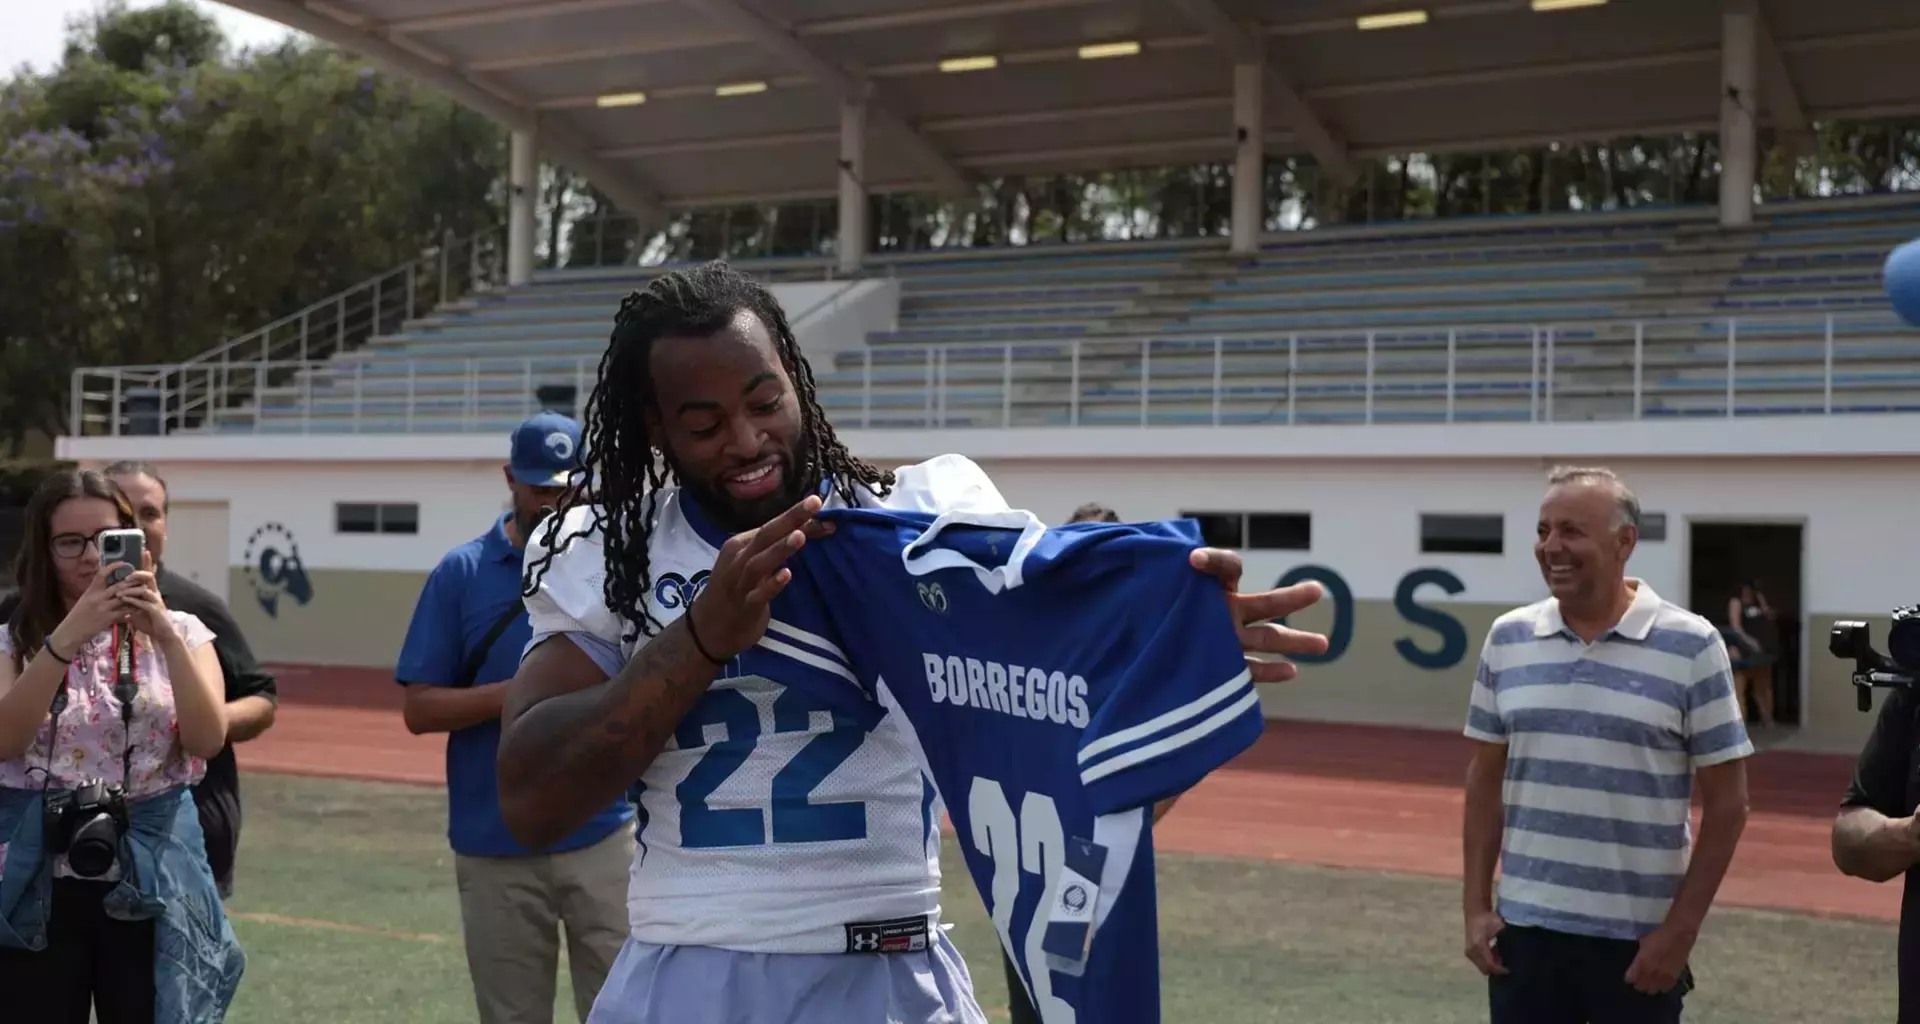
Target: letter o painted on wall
column 1341, row 635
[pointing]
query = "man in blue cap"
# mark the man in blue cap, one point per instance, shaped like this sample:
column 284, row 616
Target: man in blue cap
column 469, row 627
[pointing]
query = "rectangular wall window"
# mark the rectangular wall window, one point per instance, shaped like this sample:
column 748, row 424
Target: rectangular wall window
column 1221, row 529
column 1261, row 531
column 1452, row 534
column 368, row 517
column 1280, row 531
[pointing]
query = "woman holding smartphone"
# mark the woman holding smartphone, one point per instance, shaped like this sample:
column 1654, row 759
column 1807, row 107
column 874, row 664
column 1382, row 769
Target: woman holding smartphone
column 101, row 857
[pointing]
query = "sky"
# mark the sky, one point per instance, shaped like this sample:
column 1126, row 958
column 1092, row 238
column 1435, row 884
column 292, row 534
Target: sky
column 34, row 32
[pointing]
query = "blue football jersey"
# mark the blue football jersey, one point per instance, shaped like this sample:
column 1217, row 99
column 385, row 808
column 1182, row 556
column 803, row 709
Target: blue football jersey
column 1057, row 682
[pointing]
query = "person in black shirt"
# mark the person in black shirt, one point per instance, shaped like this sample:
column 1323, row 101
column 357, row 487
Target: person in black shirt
column 252, row 695
column 1876, row 835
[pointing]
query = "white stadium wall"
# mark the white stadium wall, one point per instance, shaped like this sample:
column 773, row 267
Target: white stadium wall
column 838, row 316
column 350, row 601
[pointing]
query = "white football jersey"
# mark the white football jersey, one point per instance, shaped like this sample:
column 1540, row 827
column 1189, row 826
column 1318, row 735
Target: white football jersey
column 770, row 823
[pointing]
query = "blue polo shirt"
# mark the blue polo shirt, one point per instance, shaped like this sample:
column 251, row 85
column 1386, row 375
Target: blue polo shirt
column 469, row 590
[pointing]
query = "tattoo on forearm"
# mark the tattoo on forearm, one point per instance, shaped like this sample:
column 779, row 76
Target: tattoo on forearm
column 612, row 730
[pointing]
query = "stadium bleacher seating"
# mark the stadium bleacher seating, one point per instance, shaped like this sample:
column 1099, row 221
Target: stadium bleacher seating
column 1496, row 319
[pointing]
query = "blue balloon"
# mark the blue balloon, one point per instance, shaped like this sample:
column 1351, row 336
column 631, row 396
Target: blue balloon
column 1902, row 276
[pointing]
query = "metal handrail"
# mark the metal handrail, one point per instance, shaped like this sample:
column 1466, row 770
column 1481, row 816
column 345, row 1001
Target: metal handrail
column 435, row 258
column 205, row 387
column 1548, row 372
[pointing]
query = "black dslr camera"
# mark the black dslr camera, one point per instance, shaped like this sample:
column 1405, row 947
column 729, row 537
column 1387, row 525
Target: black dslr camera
column 1850, row 640
column 86, row 824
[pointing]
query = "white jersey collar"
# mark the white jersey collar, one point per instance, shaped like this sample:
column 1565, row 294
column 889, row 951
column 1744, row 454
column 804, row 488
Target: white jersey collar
column 995, row 578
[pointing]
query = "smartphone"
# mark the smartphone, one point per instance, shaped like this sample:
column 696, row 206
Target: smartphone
column 127, row 546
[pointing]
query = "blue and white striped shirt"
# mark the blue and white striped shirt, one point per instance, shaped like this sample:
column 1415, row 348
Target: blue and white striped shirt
column 1602, row 742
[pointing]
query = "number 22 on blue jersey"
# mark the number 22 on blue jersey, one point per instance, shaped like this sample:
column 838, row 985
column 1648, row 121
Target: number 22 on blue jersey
column 1035, row 843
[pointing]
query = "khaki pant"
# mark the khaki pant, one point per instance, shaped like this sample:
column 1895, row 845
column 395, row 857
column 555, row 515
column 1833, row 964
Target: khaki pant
column 512, row 910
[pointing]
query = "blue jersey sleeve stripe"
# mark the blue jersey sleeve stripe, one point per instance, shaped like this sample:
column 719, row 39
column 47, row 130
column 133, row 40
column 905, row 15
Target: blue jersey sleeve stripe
column 1168, row 720
column 807, row 658
column 818, row 643
column 1167, row 745
column 1120, row 834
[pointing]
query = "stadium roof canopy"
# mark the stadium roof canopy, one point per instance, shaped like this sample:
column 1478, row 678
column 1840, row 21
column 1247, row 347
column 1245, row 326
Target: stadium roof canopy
column 695, row 102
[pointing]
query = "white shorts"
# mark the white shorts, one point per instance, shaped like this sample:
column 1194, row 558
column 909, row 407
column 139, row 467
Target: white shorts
column 702, row 985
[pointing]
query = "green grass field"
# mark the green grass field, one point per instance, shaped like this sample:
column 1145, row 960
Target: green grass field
column 345, row 904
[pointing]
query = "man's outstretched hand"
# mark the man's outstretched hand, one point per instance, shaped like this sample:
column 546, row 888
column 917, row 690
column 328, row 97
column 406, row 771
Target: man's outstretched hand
column 1252, row 612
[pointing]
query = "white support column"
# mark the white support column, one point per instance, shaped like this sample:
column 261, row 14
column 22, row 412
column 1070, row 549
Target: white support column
column 852, row 245
column 1739, row 102
column 524, row 186
column 1249, row 157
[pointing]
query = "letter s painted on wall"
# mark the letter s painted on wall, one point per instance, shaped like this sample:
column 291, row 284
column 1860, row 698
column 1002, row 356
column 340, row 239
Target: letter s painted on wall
column 1453, row 636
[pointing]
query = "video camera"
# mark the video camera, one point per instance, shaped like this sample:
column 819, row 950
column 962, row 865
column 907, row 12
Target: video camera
column 1898, row 667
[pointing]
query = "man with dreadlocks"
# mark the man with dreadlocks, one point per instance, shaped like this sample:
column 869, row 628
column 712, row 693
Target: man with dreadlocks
column 788, row 861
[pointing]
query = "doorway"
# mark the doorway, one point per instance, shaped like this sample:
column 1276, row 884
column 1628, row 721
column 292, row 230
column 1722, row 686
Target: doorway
column 1721, row 556
column 197, row 543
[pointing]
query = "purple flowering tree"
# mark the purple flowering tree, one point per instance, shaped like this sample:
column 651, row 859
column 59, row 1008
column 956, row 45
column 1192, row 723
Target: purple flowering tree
column 159, row 194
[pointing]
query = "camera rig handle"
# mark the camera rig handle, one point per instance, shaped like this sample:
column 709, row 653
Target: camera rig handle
column 1851, row 640
column 1865, row 678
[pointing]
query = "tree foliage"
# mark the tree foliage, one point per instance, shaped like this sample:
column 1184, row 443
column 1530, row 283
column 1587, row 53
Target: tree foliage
column 159, row 194
column 1842, row 158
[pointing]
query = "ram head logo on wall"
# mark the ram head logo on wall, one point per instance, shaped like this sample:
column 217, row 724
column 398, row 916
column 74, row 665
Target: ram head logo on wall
column 273, row 565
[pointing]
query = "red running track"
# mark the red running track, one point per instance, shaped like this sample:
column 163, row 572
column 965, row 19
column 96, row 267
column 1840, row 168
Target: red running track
column 1338, row 795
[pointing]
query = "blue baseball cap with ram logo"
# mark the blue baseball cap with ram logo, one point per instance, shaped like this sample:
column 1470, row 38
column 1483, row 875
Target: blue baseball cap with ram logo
column 546, row 451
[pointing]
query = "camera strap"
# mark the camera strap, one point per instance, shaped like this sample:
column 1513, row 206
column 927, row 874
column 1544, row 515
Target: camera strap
column 125, row 688
column 53, row 728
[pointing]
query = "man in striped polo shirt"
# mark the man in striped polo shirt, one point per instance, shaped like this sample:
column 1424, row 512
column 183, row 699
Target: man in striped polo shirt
column 1593, row 712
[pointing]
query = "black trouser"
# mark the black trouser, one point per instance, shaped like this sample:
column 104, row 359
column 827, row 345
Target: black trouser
column 1017, row 1002
column 220, row 822
column 1559, row 978
column 91, row 960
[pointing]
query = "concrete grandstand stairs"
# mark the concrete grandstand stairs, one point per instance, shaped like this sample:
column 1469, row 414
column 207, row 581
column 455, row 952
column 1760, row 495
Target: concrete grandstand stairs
column 1591, row 379
column 1169, row 303
column 1026, row 296
column 1695, row 270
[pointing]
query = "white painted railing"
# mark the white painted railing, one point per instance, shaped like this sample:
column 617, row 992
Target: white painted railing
column 183, row 400
column 1807, row 364
column 455, row 268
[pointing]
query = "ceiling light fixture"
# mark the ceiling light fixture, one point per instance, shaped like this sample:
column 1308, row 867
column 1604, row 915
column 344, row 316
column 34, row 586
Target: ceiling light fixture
column 1398, row 19
column 621, row 99
column 1564, row 5
column 740, row 89
column 1095, row 51
column 951, row 64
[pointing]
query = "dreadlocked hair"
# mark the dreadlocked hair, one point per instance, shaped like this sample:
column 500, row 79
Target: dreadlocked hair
column 625, row 470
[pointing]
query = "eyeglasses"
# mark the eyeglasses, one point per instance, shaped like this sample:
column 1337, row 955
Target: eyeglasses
column 72, row 545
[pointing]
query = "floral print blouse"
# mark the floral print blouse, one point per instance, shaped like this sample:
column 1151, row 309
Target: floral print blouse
column 91, row 736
